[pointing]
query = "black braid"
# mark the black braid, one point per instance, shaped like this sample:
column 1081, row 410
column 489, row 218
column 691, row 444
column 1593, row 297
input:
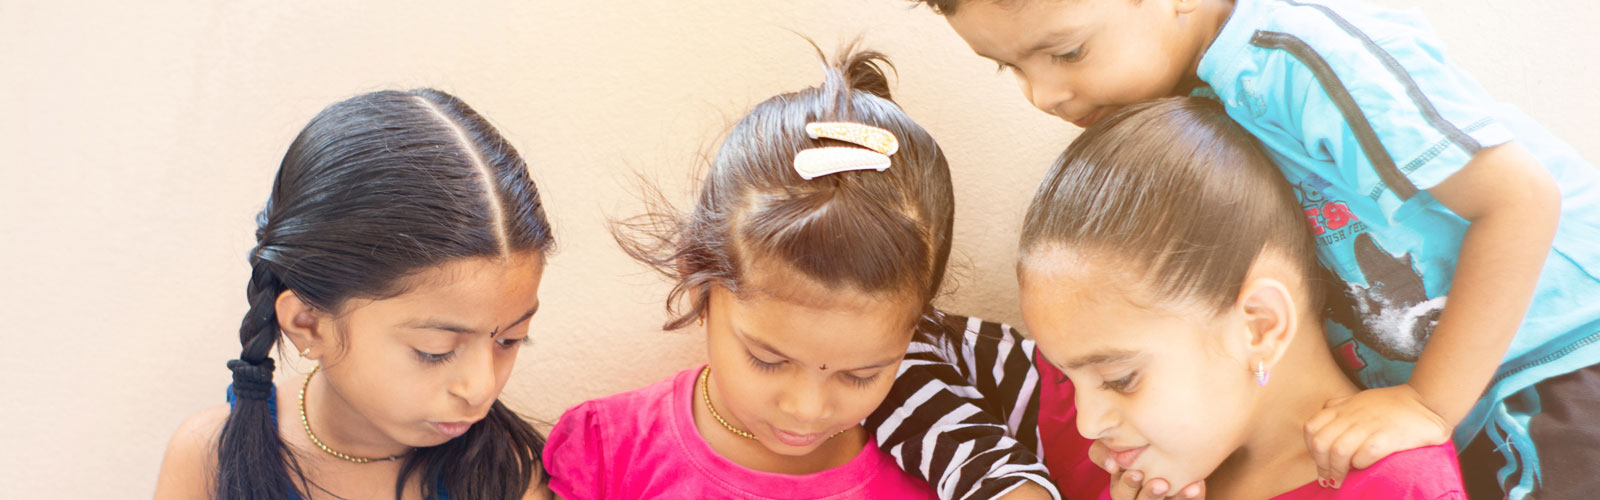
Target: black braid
column 250, row 454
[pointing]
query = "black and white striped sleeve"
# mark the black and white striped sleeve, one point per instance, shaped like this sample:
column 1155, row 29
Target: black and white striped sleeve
column 963, row 413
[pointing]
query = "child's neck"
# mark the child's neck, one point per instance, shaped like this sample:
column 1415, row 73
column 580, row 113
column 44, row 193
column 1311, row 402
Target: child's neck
column 751, row 454
column 1210, row 17
column 1275, row 459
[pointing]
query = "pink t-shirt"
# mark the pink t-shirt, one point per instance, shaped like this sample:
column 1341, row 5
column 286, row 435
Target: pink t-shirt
column 643, row 444
column 1429, row 473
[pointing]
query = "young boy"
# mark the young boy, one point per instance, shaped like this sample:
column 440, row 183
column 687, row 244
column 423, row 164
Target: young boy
column 1418, row 187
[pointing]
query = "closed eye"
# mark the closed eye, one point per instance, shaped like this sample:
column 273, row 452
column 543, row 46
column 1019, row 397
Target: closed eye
column 1072, row 56
column 1123, row 385
column 432, row 358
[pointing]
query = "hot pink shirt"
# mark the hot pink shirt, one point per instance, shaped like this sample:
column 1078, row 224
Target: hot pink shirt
column 643, row 444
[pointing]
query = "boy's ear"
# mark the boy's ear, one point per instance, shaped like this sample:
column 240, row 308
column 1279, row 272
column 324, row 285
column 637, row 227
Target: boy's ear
column 1271, row 319
column 307, row 328
column 1186, row 6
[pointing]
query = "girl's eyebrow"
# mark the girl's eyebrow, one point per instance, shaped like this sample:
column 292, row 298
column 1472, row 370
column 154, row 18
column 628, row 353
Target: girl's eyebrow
column 446, row 325
column 1101, row 357
column 768, row 347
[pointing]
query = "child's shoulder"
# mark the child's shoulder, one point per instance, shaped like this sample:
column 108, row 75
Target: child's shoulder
column 1430, row 472
column 190, row 458
column 634, row 413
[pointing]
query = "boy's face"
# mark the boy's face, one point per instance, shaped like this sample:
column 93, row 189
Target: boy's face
column 1081, row 59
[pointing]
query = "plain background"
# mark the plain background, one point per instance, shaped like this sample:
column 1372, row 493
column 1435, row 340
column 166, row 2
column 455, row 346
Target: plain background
column 138, row 140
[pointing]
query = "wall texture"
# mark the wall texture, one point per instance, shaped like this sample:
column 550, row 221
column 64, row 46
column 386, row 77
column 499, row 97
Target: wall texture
column 138, row 140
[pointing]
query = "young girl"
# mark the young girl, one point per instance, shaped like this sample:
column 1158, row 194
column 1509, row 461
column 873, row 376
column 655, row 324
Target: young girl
column 820, row 236
column 401, row 250
column 1163, row 271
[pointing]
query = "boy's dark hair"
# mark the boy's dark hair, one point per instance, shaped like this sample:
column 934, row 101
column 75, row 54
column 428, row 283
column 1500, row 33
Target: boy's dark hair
column 1185, row 198
column 868, row 231
column 375, row 189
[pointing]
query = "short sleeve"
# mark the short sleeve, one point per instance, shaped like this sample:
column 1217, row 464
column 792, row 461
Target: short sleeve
column 574, row 454
column 1378, row 100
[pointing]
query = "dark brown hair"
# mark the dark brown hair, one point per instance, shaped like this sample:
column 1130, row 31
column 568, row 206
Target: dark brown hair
column 869, row 231
column 375, row 189
column 1182, row 195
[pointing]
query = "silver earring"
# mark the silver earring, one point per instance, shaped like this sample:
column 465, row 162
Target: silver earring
column 305, row 353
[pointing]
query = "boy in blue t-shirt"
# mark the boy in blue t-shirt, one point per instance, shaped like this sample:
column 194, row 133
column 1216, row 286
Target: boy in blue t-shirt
column 1418, row 186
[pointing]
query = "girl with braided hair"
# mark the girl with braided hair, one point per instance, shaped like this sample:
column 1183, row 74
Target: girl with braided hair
column 400, row 250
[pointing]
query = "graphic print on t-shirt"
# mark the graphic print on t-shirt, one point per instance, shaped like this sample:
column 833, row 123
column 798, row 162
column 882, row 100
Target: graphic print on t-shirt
column 1392, row 313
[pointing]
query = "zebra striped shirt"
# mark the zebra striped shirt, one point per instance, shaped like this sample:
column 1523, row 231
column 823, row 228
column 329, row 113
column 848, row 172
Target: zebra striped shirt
column 963, row 412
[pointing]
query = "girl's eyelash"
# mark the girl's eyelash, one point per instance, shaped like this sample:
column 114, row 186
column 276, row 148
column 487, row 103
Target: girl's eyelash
column 1074, row 56
column 513, row 343
column 1123, row 385
column 762, row 365
column 860, row 382
column 434, row 359
column 1001, row 67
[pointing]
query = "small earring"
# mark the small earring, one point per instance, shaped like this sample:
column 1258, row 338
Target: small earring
column 1262, row 374
column 700, row 321
column 305, row 353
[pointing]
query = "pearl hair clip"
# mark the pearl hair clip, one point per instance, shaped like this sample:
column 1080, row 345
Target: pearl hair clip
column 817, row 162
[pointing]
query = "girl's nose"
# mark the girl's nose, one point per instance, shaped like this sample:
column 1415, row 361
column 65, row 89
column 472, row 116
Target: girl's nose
column 475, row 379
column 805, row 401
column 1095, row 417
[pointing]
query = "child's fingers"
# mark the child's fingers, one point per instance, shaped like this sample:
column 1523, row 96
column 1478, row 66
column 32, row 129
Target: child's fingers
column 1318, row 421
column 1343, row 450
column 1336, row 401
column 1321, row 432
column 1101, row 455
column 1156, row 489
column 1125, row 485
column 1195, row 491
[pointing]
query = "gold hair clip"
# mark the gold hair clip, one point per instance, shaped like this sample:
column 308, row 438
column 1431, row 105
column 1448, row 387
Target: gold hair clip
column 866, row 136
column 817, row 162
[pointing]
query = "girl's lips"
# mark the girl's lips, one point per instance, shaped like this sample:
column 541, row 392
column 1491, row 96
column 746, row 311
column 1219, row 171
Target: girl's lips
column 452, row 429
column 796, row 440
column 1125, row 458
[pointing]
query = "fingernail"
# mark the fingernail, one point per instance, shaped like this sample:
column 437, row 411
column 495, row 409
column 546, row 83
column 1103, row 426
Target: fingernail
column 1159, row 489
column 1111, row 465
column 1322, row 482
column 1334, row 483
column 1192, row 491
column 1136, row 476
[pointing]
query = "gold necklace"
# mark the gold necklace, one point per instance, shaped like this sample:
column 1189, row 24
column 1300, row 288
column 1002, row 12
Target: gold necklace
column 705, row 391
column 307, row 424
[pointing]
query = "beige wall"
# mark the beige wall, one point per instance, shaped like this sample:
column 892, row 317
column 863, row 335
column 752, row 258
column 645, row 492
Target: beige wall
column 138, row 140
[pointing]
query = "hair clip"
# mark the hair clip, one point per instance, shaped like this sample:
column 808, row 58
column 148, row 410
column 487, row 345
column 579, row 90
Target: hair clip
column 817, row 162
column 866, row 136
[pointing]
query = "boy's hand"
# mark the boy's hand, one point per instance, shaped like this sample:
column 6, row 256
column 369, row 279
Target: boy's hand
column 1358, row 431
column 1130, row 485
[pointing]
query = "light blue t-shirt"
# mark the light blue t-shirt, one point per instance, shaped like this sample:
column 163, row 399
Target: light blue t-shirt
column 1362, row 113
